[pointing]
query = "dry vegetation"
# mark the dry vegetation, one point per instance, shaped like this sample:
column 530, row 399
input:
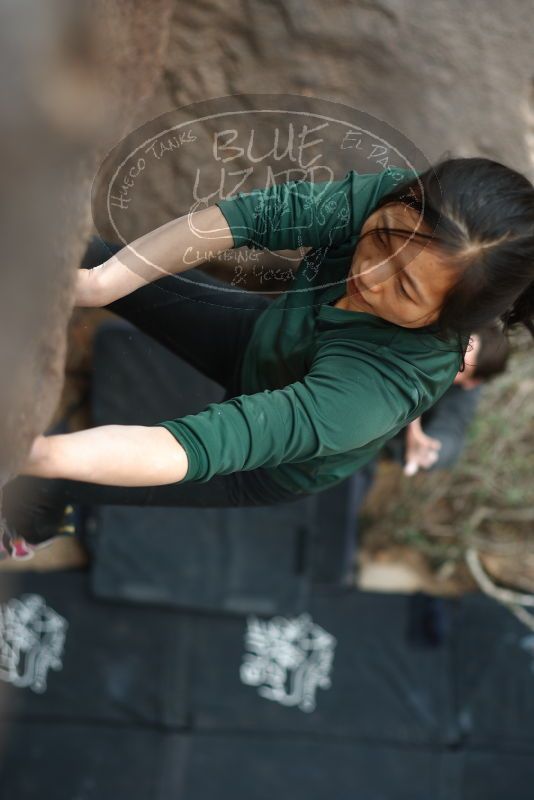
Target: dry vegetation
column 486, row 501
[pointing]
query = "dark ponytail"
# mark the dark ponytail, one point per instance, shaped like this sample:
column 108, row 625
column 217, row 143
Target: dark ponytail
column 522, row 311
column 494, row 352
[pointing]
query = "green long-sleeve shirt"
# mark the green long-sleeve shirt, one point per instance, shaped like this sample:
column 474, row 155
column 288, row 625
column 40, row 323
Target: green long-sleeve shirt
column 322, row 388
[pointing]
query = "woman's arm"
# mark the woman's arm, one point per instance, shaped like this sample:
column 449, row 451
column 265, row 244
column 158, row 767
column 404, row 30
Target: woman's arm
column 116, row 455
column 344, row 402
column 347, row 400
column 175, row 247
column 285, row 216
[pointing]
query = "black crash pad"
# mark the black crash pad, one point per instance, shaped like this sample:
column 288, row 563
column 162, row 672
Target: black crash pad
column 256, row 560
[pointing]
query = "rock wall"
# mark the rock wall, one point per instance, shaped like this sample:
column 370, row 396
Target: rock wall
column 74, row 75
column 452, row 76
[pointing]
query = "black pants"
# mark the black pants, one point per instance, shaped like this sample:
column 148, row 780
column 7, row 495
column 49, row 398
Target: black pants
column 208, row 324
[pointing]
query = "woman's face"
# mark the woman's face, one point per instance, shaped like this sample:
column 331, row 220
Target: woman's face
column 403, row 280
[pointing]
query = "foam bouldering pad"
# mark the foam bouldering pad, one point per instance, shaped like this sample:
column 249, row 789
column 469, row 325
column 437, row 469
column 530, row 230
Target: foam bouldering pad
column 492, row 668
column 256, row 560
column 345, row 668
column 66, row 656
column 69, row 761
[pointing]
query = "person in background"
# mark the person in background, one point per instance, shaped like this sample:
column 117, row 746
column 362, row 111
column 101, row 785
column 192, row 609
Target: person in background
column 436, row 439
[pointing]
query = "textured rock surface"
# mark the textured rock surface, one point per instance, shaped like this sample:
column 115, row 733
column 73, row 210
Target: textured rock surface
column 73, row 77
column 452, row 76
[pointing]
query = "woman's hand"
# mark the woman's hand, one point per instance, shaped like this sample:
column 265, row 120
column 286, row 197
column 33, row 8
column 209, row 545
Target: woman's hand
column 421, row 450
column 88, row 292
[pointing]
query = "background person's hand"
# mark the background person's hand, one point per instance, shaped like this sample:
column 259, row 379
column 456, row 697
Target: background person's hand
column 421, row 450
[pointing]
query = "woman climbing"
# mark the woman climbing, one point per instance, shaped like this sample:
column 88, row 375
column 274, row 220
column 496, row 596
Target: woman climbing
column 369, row 335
